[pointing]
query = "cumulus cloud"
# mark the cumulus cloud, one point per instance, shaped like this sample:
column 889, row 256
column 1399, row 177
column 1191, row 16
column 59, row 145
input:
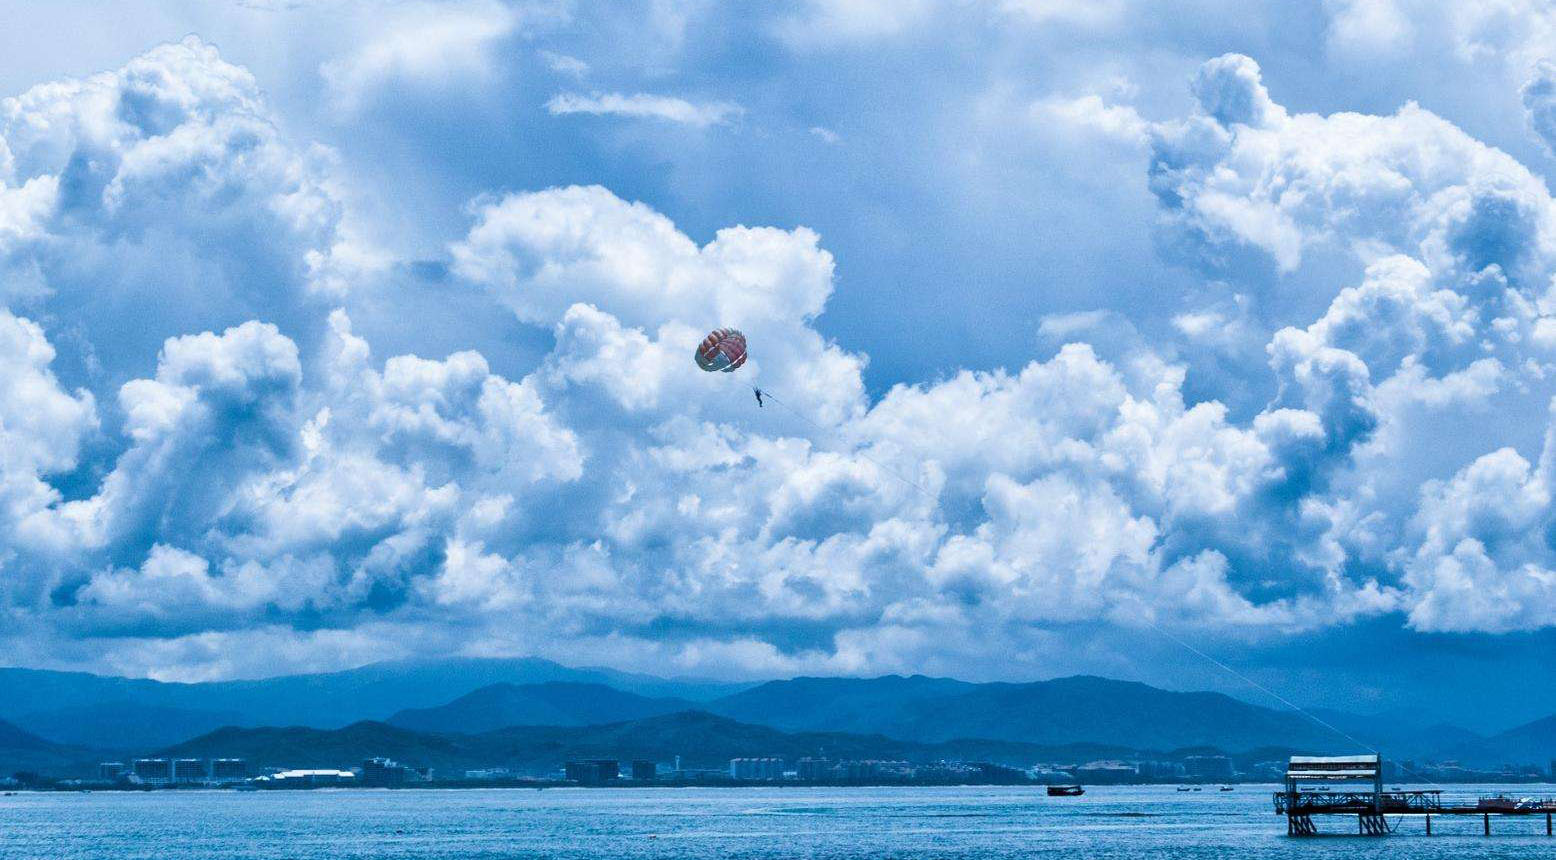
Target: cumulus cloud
column 161, row 193
column 267, row 479
column 645, row 105
column 423, row 45
column 1090, row 114
column 1539, row 96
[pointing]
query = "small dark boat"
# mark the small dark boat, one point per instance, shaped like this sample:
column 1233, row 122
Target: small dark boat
column 1183, row 788
column 1227, row 788
column 1065, row 791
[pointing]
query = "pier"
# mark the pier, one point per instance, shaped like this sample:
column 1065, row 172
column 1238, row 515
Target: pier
column 1373, row 806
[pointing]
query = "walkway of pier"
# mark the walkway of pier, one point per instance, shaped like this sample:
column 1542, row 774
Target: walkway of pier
column 1372, row 810
column 1373, row 807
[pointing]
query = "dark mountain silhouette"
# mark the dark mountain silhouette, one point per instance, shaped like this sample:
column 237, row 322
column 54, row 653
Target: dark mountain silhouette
column 699, row 738
column 1064, row 710
column 1531, row 743
column 124, row 725
column 34, row 699
column 557, row 703
column 21, row 750
column 473, row 696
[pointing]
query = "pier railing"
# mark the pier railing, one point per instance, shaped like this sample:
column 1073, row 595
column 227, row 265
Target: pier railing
column 1389, row 802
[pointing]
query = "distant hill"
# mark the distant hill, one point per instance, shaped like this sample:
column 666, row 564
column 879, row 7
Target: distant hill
column 837, row 704
column 35, row 699
column 1061, row 711
column 124, row 725
column 473, row 696
column 1530, row 743
column 1398, row 734
column 557, row 703
column 23, row 750
column 701, row 739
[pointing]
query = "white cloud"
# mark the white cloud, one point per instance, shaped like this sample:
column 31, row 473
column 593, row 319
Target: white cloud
column 611, row 499
column 1090, row 114
column 1539, row 96
column 645, row 105
column 564, row 64
column 423, row 44
column 831, row 22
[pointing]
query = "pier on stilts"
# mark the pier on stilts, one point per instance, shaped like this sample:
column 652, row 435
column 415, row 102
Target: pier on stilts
column 1373, row 806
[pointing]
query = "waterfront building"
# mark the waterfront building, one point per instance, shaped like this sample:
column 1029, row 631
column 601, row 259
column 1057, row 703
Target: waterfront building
column 229, row 769
column 189, row 770
column 592, row 771
column 756, row 769
column 813, row 769
column 490, row 773
column 1106, row 772
column 110, row 770
column 1153, row 771
column 383, row 773
column 317, row 778
column 643, row 770
column 152, row 771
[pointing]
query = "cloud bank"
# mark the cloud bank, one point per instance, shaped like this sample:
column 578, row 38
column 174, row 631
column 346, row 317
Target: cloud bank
column 206, row 469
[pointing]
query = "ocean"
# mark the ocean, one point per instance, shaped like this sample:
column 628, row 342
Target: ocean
column 596, row 824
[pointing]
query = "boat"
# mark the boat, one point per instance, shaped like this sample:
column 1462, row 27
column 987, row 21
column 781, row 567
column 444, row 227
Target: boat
column 1065, row 791
column 1183, row 788
column 1226, row 788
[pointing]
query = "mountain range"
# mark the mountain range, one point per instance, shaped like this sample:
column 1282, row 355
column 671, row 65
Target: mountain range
column 700, row 739
column 55, row 718
column 97, row 711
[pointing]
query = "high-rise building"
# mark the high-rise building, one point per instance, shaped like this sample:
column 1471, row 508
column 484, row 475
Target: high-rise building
column 592, row 771
column 189, row 770
column 152, row 771
column 813, row 769
column 383, row 773
column 111, row 770
column 229, row 769
column 643, row 770
column 758, row 769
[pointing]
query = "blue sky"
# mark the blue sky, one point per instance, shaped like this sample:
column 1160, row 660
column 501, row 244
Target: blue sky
column 340, row 331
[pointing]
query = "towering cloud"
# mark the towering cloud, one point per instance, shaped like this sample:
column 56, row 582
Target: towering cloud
column 203, row 455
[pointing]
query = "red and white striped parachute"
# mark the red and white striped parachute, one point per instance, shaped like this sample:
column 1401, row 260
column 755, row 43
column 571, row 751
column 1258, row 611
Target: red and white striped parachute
column 723, row 349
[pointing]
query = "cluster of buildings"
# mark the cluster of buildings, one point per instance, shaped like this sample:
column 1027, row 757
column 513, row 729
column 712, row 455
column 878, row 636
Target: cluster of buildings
column 386, row 773
column 1194, row 768
column 772, row 769
column 217, row 772
column 175, row 771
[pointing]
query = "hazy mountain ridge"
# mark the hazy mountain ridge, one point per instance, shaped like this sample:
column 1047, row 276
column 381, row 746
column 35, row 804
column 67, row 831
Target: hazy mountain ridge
column 83, row 714
column 33, row 698
column 701, row 739
column 1533, row 742
column 554, row 703
column 22, row 750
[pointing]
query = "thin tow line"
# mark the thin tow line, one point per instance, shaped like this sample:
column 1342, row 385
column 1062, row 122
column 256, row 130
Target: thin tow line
column 1278, row 697
column 768, row 395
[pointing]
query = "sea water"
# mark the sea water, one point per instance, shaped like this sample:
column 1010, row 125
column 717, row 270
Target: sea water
column 595, row 824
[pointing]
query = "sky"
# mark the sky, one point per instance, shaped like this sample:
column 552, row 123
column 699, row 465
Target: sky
column 335, row 331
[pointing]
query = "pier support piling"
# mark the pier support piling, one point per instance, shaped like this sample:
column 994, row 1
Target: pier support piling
column 1486, row 822
column 1429, row 824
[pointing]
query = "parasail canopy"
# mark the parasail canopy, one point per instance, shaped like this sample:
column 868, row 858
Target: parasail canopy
column 723, row 349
